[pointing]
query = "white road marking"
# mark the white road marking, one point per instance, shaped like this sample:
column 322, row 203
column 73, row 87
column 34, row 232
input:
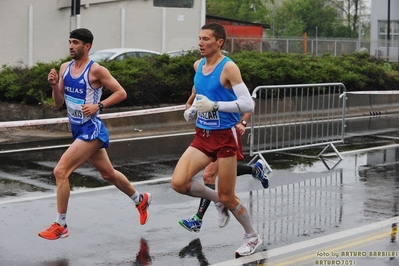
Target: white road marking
column 308, row 243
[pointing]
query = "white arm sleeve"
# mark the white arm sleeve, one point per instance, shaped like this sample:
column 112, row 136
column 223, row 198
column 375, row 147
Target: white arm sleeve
column 243, row 104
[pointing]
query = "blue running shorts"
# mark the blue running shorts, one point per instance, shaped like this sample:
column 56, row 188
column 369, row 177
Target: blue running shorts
column 91, row 130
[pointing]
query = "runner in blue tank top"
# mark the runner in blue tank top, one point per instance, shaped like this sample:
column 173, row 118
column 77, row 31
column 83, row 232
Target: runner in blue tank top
column 257, row 170
column 80, row 85
column 221, row 97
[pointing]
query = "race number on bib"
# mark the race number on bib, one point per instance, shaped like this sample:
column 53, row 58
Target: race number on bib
column 209, row 119
column 74, row 108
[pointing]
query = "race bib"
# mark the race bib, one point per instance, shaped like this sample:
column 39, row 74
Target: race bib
column 74, row 108
column 209, row 119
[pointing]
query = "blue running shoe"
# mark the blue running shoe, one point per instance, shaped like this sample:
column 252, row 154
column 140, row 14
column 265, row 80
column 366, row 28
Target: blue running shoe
column 260, row 174
column 192, row 224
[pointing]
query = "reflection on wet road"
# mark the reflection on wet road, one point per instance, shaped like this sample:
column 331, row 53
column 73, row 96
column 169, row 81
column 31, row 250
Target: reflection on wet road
column 194, row 250
column 29, row 172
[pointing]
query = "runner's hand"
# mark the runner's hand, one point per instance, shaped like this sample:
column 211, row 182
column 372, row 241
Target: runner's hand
column 52, row 77
column 189, row 114
column 204, row 104
column 241, row 128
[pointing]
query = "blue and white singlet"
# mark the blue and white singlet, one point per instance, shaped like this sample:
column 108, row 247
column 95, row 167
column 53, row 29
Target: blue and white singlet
column 78, row 91
column 210, row 86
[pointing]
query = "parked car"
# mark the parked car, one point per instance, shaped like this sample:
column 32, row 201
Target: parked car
column 119, row 54
column 184, row 52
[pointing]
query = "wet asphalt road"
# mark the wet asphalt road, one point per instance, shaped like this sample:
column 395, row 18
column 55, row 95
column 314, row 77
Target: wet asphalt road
column 307, row 216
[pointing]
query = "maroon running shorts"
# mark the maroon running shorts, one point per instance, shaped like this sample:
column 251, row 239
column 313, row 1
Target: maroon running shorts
column 220, row 143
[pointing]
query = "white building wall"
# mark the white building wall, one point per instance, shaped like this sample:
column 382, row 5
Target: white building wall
column 145, row 26
column 379, row 11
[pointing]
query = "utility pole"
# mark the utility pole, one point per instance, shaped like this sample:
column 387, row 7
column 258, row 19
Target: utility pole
column 317, row 42
column 359, row 7
column 389, row 29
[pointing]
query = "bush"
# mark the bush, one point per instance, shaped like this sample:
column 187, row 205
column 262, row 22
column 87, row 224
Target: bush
column 153, row 81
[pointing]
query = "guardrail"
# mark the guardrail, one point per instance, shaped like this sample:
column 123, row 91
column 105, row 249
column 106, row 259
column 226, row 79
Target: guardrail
column 286, row 117
column 49, row 121
column 289, row 117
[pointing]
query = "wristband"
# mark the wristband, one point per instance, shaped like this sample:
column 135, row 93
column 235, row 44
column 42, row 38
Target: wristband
column 244, row 123
column 215, row 106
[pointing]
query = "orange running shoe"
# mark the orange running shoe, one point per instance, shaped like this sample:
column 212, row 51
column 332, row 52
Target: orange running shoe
column 54, row 232
column 142, row 207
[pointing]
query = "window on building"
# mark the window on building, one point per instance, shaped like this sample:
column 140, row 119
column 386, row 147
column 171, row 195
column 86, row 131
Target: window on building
column 174, row 3
column 394, row 33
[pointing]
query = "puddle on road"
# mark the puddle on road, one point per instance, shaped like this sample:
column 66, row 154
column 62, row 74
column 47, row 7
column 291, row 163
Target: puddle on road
column 382, row 186
column 19, row 177
column 361, row 189
column 303, row 158
column 16, row 188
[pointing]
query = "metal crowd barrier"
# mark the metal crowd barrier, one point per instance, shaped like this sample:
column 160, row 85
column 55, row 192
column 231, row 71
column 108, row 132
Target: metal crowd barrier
column 288, row 117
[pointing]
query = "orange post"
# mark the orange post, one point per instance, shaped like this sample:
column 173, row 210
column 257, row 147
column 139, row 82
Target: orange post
column 305, row 43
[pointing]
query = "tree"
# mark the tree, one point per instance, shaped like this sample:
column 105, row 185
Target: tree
column 331, row 18
column 354, row 12
column 295, row 17
column 246, row 10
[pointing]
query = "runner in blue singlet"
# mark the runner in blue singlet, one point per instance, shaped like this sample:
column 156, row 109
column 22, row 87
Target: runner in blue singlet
column 78, row 92
column 80, row 88
column 257, row 170
column 221, row 97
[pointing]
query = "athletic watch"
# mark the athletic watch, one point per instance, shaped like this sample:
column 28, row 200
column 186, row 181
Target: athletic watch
column 244, row 123
column 100, row 106
column 215, row 106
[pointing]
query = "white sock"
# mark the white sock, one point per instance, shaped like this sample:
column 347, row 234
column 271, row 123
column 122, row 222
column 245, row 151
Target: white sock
column 136, row 197
column 61, row 218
